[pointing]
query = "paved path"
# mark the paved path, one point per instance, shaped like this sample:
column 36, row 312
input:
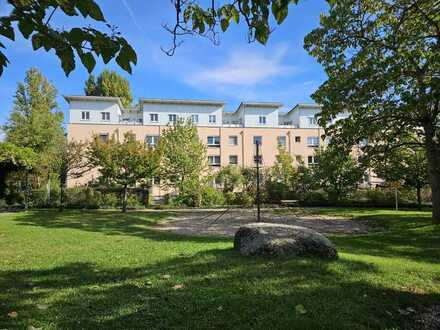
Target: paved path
column 226, row 222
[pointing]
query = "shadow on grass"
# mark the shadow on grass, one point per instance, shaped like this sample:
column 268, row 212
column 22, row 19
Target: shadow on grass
column 221, row 290
column 136, row 223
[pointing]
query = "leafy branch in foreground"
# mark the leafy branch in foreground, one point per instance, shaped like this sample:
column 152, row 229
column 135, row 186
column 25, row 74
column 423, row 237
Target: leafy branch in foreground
column 195, row 19
column 32, row 18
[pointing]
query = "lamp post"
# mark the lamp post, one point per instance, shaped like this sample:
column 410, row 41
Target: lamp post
column 257, row 161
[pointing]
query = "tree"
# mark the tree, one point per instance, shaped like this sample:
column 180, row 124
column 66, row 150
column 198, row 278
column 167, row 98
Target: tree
column 336, row 172
column 109, row 83
column 230, row 177
column 34, row 122
column 15, row 159
column 407, row 165
column 383, row 67
column 126, row 163
column 33, row 19
column 74, row 163
column 282, row 177
column 183, row 160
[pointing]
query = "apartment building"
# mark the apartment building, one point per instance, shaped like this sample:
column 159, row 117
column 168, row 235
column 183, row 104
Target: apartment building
column 230, row 136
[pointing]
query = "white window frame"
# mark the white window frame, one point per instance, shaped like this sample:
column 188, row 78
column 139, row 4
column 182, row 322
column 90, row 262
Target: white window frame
column 154, row 140
column 172, row 118
column 154, row 117
column 212, row 160
column 262, row 120
column 233, row 137
column 313, row 141
column 312, row 121
column 212, row 119
column 105, row 116
column 284, row 138
column 314, row 160
column 236, row 160
column 213, row 141
column 195, row 118
column 85, row 115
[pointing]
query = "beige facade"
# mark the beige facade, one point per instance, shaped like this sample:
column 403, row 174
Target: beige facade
column 243, row 151
column 229, row 136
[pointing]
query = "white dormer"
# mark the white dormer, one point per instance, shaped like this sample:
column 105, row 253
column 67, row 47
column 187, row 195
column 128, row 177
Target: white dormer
column 94, row 109
column 302, row 116
column 164, row 112
column 258, row 114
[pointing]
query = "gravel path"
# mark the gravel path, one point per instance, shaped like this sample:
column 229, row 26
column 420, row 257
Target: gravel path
column 226, row 222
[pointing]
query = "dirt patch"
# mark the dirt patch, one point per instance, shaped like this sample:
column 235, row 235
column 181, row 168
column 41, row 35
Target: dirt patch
column 227, row 222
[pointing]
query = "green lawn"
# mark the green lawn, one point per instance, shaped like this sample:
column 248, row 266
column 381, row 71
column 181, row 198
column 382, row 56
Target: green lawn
column 102, row 269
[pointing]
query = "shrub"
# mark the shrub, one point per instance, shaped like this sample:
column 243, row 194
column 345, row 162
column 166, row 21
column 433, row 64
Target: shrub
column 212, row 197
column 109, row 200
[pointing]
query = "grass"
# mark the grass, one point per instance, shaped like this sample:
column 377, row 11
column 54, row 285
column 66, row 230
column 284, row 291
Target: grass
column 102, row 269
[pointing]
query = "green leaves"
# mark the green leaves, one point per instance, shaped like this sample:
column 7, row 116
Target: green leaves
column 33, row 20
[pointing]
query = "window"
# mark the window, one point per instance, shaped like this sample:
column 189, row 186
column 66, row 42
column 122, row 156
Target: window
column 312, row 160
column 156, row 181
column 214, row 160
column 262, row 120
column 154, row 117
column 105, row 116
column 233, row 140
column 195, row 118
column 213, row 141
column 299, row 159
column 312, row 121
column 85, row 115
column 151, row 140
column 103, row 138
column 172, row 118
column 281, row 141
column 212, row 119
column 258, row 140
column 297, row 139
column 233, row 160
column 313, row 141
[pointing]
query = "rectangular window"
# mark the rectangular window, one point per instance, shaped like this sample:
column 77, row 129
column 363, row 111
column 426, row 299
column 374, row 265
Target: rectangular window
column 156, row 181
column 85, row 115
column 313, row 141
column 195, row 118
column 151, row 140
column 214, row 160
column 172, row 118
column 103, row 138
column 312, row 160
column 312, row 121
column 105, row 116
column 258, row 140
column 233, row 140
column 299, row 159
column 154, row 117
column 213, row 141
column 212, row 119
column 281, row 141
column 233, row 160
column 297, row 139
column 262, row 120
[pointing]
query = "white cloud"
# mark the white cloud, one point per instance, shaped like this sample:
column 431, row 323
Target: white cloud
column 242, row 69
column 132, row 15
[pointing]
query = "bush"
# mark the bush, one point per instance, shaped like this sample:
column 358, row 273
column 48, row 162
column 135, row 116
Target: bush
column 315, row 198
column 245, row 199
column 109, row 201
column 133, row 202
column 212, row 197
column 82, row 197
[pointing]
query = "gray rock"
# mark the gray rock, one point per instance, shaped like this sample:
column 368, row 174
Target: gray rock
column 278, row 239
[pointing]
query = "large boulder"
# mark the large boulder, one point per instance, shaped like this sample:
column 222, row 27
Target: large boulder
column 278, row 239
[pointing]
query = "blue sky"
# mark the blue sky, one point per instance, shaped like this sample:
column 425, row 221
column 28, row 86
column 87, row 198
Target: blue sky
column 234, row 71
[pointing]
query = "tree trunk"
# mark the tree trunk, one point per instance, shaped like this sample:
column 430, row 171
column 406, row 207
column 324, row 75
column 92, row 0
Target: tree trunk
column 124, row 199
column 433, row 156
column 419, row 197
column 26, row 191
